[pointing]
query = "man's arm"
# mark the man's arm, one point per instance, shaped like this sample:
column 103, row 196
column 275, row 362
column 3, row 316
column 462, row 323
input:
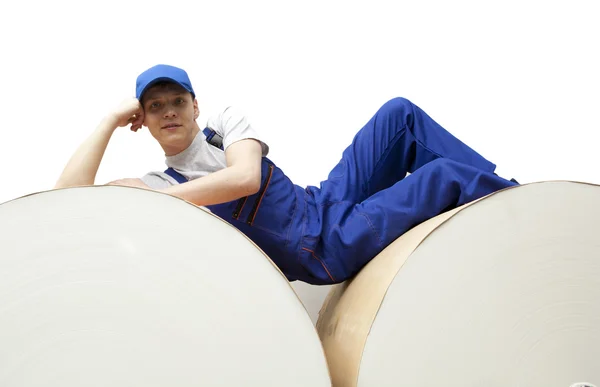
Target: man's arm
column 83, row 165
column 242, row 177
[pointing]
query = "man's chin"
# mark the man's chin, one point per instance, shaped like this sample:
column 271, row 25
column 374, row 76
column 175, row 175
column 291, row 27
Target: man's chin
column 174, row 142
column 176, row 134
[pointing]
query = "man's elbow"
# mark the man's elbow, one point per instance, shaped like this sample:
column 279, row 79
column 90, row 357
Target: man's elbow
column 60, row 184
column 250, row 183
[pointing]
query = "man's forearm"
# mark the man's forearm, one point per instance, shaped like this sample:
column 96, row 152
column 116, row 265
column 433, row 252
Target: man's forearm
column 218, row 187
column 83, row 165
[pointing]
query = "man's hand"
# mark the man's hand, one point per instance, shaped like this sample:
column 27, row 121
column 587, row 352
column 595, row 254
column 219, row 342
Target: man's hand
column 129, row 112
column 129, row 182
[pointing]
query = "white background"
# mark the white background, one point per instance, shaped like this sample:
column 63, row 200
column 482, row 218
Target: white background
column 516, row 80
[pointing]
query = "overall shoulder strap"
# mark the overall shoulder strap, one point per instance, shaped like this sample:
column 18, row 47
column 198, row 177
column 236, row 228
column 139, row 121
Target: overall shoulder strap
column 213, row 138
column 175, row 175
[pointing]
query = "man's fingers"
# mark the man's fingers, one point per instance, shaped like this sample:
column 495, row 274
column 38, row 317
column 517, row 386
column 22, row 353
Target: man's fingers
column 136, row 122
column 134, row 118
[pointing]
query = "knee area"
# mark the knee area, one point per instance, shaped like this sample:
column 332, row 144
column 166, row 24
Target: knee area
column 396, row 106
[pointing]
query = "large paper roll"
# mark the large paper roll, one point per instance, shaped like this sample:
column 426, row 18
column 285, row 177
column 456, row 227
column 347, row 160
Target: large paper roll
column 121, row 287
column 502, row 292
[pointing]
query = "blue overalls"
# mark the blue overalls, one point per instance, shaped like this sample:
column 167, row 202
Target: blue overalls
column 326, row 234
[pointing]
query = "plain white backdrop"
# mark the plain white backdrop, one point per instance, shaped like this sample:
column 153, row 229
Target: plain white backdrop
column 516, row 80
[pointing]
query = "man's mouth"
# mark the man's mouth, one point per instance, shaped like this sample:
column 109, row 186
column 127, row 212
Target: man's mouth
column 171, row 126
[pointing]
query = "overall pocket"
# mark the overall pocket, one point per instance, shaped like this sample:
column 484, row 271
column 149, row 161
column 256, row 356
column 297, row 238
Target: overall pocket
column 272, row 208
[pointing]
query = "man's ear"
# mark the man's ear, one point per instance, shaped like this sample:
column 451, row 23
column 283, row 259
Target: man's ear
column 196, row 109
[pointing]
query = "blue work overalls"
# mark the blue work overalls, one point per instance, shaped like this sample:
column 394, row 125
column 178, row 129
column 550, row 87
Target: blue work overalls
column 326, row 234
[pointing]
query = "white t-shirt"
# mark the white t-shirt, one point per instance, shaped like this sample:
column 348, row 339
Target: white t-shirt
column 202, row 158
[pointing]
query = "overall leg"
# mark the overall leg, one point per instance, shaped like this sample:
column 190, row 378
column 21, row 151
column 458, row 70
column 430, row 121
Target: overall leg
column 399, row 138
column 357, row 233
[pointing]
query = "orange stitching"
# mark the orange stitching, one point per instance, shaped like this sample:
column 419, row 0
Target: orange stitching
column 263, row 194
column 241, row 208
column 322, row 264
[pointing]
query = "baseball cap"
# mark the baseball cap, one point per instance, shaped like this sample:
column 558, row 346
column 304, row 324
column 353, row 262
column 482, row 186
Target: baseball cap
column 162, row 72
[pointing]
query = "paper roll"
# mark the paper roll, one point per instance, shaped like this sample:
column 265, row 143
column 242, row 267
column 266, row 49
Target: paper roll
column 504, row 291
column 113, row 286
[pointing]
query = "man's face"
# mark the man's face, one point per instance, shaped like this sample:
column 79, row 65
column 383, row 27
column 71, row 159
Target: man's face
column 170, row 114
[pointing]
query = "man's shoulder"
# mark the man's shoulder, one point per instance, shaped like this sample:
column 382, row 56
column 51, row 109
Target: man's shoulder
column 232, row 123
column 223, row 114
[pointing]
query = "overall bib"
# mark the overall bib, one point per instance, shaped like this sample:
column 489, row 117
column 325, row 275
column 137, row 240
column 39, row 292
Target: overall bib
column 326, row 234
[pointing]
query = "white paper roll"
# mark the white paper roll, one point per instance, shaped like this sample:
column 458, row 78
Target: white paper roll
column 502, row 292
column 113, row 286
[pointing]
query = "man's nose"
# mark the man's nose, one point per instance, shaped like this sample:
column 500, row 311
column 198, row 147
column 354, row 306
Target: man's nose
column 170, row 112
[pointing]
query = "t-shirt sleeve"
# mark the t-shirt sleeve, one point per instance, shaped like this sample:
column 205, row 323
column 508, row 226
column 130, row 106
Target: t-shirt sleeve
column 234, row 126
column 158, row 180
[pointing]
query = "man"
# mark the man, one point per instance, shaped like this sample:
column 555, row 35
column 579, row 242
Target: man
column 320, row 235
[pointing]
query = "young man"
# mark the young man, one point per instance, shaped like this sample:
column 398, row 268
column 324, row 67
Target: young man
column 319, row 235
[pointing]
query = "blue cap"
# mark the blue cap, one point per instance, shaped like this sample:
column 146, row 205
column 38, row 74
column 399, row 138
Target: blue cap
column 159, row 73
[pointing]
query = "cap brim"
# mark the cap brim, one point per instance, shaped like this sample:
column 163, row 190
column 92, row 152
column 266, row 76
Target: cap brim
column 162, row 79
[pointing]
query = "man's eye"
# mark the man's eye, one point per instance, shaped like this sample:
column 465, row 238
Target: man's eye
column 155, row 105
column 179, row 101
